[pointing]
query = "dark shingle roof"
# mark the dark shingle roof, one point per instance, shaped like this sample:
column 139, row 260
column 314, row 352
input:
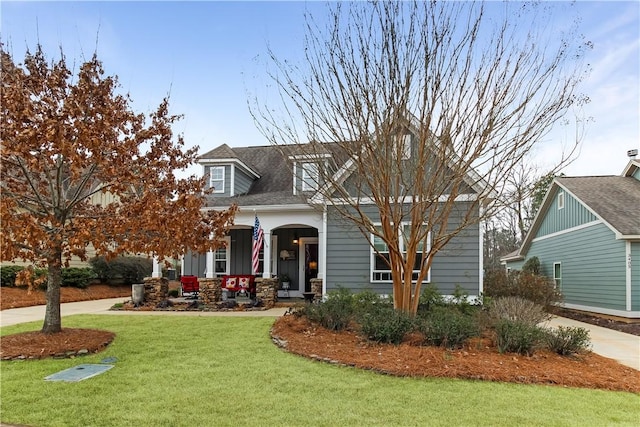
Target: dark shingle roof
column 615, row 199
column 275, row 185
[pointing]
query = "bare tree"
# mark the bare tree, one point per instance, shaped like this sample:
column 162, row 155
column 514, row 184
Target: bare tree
column 80, row 168
column 433, row 104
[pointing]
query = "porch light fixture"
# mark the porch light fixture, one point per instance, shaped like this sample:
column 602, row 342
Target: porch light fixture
column 295, row 238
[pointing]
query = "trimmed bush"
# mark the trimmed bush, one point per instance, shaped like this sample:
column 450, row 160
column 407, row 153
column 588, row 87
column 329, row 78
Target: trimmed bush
column 517, row 309
column 430, row 297
column 517, row 337
column 539, row 289
column 125, row 270
column 8, row 274
column 173, row 293
column 77, row 277
column 366, row 301
column 448, row 327
column 568, row 340
column 384, row 324
column 335, row 313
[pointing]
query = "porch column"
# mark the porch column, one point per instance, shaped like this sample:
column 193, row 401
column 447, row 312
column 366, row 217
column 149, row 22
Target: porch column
column 156, row 268
column 209, row 271
column 266, row 269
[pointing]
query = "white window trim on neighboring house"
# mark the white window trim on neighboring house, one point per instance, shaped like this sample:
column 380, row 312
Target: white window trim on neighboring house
column 384, row 276
column 213, row 180
column 557, row 279
column 223, row 255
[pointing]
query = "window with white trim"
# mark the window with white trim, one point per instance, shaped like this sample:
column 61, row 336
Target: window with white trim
column 380, row 270
column 216, row 179
column 561, row 200
column 309, row 176
column 557, row 275
column 221, row 258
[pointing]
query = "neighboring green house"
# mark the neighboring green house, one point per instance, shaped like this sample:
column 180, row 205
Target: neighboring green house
column 587, row 238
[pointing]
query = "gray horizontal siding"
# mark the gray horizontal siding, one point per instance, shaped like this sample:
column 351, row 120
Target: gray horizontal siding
column 349, row 257
column 242, row 182
column 593, row 266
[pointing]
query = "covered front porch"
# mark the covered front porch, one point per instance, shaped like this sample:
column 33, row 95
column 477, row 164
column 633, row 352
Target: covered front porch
column 292, row 251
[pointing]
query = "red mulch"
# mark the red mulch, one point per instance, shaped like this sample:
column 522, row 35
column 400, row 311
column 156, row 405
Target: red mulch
column 19, row 296
column 477, row 360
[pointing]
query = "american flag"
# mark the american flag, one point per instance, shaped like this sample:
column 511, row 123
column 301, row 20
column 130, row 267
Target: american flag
column 258, row 236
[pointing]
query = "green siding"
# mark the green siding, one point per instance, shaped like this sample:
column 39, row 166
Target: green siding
column 635, row 276
column 572, row 215
column 593, row 265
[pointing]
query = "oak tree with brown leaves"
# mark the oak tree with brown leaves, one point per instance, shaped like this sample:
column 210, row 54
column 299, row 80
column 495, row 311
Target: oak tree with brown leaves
column 80, row 169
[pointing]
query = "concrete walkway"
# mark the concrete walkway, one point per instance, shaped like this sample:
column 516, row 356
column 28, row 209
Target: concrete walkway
column 625, row 348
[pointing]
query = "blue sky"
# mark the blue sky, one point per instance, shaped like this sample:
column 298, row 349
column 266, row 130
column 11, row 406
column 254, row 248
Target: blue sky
column 211, row 56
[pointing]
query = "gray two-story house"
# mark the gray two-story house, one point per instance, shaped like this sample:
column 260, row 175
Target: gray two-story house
column 274, row 184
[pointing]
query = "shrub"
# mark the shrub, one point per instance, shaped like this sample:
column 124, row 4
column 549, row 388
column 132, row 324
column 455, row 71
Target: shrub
column 173, row 293
column 449, row 327
column 568, row 340
column 77, row 277
column 539, row 289
column 385, row 324
column 127, row 270
column 532, row 266
column 335, row 313
column 8, row 274
column 517, row 309
column 517, row 337
column 430, row 297
column 367, row 301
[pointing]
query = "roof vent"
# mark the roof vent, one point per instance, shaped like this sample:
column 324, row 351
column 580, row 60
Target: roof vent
column 632, row 153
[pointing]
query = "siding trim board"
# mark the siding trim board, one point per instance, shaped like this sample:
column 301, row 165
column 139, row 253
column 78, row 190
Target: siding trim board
column 601, row 310
column 627, row 257
column 568, row 230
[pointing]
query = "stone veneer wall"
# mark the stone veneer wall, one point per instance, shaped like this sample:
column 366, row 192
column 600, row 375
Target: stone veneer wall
column 156, row 289
column 316, row 288
column 210, row 290
column 267, row 291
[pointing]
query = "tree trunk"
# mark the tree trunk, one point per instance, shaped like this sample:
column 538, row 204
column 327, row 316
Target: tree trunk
column 52, row 318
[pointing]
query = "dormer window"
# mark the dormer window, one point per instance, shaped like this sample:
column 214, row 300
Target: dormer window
column 309, row 176
column 561, row 200
column 216, row 179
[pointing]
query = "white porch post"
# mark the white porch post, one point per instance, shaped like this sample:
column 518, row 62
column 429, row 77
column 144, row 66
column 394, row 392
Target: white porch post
column 209, row 272
column 266, row 262
column 156, row 268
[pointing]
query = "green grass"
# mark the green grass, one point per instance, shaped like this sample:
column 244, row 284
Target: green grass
column 213, row 371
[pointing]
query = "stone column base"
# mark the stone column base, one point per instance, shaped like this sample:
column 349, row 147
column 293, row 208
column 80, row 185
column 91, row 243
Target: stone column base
column 267, row 291
column 316, row 288
column 156, row 289
column 210, row 289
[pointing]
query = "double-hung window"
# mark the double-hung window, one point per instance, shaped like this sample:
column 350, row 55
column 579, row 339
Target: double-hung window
column 380, row 269
column 216, row 179
column 221, row 258
column 309, row 176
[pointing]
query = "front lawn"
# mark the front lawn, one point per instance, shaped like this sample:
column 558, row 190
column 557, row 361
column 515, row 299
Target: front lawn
column 206, row 371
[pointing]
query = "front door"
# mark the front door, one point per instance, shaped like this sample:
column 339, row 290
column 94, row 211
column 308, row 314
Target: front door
column 308, row 262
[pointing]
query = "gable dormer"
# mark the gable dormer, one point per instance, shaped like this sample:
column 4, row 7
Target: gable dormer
column 226, row 173
column 307, row 167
